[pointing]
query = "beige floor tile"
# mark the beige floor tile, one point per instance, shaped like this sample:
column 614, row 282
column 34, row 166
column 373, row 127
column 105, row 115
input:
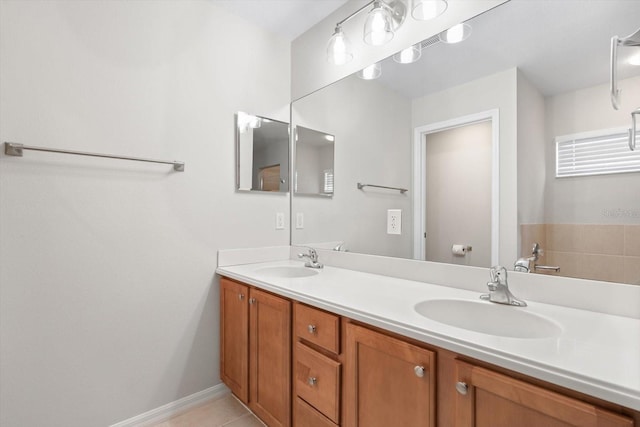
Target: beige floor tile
column 212, row 414
column 248, row 420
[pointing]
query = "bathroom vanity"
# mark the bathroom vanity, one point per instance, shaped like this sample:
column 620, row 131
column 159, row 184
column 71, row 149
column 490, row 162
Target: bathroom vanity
column 336, row 347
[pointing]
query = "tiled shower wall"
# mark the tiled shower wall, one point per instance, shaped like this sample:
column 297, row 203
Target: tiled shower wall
column 587, row 251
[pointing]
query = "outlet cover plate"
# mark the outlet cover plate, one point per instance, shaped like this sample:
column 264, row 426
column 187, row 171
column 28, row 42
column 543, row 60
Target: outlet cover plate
column 394, row 221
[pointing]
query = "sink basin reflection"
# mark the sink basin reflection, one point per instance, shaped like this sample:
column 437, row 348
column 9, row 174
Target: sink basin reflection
column 287, row 271
column 488, row 318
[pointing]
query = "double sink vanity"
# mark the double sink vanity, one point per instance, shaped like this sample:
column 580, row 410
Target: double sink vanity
column 335, row 346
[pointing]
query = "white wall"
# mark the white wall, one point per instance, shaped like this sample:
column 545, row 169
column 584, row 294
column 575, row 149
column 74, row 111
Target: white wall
column 379, row 153
column 531, row 154
column 585, row 199
column 310, row 69
column 108, row 301
column 497, row 91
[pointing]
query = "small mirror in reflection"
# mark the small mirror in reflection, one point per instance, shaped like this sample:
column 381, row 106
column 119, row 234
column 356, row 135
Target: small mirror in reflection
column 314, row 162
column 262, row 149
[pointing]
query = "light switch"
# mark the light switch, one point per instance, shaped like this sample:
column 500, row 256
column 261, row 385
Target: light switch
column 279, row 221
column 299, row 220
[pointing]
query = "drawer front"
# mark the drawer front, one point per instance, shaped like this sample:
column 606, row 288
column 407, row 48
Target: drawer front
column 318, row 381
column 306, row 416
column 318, row 327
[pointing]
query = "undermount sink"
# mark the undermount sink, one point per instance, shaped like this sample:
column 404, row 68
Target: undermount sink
column 488, row 318
column 287, row 271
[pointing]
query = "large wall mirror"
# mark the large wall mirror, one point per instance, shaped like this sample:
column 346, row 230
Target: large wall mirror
column 262, row 154
column 526, row 78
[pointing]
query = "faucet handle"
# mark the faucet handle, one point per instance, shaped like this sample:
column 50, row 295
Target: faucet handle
column 498, row 275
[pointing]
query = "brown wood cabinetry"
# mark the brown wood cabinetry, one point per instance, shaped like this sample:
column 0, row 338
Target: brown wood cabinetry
column 389, row 382
column 322, row 370
column 317, row 367
column 256, row 350
column 234, row 337
column 489, row 399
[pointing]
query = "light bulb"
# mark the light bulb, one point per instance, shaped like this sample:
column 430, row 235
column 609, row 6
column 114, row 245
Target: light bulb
column 408, row 55
column 378, row 27
column 423, row 10
column 338, row 50
column 371, row 72
column 456, row 34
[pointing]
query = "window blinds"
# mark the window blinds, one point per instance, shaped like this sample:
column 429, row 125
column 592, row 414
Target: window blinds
column 595, row 153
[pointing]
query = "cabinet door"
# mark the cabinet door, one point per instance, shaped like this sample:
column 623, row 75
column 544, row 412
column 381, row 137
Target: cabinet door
column 234, row 337
column 270, row 361
column 389, row 382
column 487, row 398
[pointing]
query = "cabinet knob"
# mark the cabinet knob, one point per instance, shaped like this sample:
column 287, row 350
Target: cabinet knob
column 252, row 300
column 312, row 381
column 462, row 387
column 419, row 371
column 240, row 297
column 311, row 329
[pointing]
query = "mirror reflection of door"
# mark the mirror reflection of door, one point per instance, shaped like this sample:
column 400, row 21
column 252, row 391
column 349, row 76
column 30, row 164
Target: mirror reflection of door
column 269, row 178
column 458, row 194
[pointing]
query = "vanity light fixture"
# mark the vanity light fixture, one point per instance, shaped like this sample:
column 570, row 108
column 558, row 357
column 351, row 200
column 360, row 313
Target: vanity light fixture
column 378, row 28
column 248, row 121
column 382, row 22
column 456, row 34
column 423, row 10
column 339, row 49
column 371, row 72
column 409, row 55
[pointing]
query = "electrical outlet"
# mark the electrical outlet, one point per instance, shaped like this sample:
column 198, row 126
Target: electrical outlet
column 394, row 221
column 279, row 221
column 299, row 220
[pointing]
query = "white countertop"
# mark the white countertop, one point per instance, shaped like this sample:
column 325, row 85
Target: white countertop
column 596, row 354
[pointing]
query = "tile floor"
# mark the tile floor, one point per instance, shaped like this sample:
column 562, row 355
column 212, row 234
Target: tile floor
column 226, row 411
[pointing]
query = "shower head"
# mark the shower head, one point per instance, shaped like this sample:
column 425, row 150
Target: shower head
column 631, row 40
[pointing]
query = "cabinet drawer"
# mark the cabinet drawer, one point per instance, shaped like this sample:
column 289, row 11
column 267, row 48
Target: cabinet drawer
column 306, row 416
column 318, row 381
column 318, row 327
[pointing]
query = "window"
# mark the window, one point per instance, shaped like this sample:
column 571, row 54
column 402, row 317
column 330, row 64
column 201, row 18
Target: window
column 595, row 153
column 327, row 180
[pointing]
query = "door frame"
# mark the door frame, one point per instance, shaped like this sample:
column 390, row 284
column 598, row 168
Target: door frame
column 419, row 177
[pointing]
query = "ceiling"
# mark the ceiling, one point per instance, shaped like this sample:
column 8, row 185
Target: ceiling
column 560, row 46
column 287, row 18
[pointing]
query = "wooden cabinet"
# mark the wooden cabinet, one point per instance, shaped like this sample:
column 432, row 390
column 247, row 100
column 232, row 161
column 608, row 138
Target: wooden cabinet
column 256, row 350
column 389, row 382
column 317, row 367
column 347, row 374
column 487, row 398
column 234, row 337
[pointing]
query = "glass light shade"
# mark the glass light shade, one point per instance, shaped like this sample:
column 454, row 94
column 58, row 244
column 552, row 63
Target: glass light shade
column 338, row 48
column 408, row 55
column 423, row 10
column 378, row 29
column 371, row 72
column 456, row 34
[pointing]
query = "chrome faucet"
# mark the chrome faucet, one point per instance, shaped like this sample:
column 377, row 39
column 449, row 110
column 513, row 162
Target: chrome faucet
column 499, row 289
column 524, row 264
column 312, row 259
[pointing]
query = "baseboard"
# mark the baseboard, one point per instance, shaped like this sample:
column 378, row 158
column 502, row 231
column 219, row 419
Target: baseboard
column 174, row 408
